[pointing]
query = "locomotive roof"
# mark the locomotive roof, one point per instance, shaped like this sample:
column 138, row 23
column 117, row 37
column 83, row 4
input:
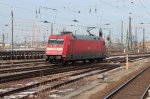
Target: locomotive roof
column 86, row 37
column 78, row 36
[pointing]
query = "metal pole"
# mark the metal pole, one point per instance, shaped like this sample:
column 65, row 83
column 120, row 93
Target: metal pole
column 25, row 40
column 127, row 62
column 12, row 32
column 110, row 40
column 44, row 37
column 136, row 37
column 38, row 45
column 51, row 28
column 127, row 39
column 122, row 34
column 143, row 39
column 3, row 41
column 33, row 30
column 130, row 34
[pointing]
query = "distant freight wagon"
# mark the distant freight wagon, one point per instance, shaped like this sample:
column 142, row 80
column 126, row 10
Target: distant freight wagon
column 67, row 47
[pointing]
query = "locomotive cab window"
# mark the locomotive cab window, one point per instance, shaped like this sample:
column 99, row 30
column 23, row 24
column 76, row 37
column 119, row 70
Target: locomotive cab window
column 60, row 41
column 56, row 41
column 51, row 41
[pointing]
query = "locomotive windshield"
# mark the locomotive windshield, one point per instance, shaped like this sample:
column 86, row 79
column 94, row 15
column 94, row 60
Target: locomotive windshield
column 55, row 41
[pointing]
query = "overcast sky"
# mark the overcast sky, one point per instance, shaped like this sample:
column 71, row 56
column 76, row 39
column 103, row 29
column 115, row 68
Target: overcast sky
column 87, row 13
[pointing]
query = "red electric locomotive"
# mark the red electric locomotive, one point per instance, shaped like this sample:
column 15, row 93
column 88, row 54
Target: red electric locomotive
column 67, row 47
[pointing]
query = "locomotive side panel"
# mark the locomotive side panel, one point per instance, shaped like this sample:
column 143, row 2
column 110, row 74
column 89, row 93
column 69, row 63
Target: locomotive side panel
column 65, row 48
column 86, row 49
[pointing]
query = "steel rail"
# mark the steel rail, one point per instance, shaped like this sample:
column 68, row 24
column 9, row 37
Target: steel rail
column 45, row 82
column 109, row 96
column 21, row 69
column 36, row 73
column 145, row 93
column 21, row 61
column 63, row 83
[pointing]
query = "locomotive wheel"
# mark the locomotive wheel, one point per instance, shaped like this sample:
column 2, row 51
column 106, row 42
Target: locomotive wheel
column 99, row 60
column 65, row 63
column 84, row 61
column 91, row 60
column 46, row 58
column 73, row 62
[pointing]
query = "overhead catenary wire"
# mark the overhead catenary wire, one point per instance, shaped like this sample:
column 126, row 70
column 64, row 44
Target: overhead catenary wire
column 31, row 10
column 19, row 18
column 67, row 7
column 122, row 10
column 70, row 9
column 145, row 9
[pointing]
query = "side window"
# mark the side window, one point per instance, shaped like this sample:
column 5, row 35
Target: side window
column 55, row 41
column 60, row 41
column 51, row 41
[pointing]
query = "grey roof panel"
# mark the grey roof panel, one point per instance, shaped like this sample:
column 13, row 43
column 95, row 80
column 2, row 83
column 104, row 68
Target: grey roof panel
column 86, row 37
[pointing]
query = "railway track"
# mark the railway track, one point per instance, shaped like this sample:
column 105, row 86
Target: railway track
column 23, row 66
column 47, row 71
column 20, row 54
column 15, row 62
column 61, row 80
column 22, row 72
column 133, row 88
column 55, row 83
column 146, row 94
column 21, row 69
column 27, row 72
column 122, row 59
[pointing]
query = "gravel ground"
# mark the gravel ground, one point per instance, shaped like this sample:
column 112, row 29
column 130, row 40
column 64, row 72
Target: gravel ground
column 96, row 88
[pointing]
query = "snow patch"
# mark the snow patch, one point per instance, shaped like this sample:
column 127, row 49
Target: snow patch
column 5, row 90
column 66, row 90
column 30, row 83
column 54, row 96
